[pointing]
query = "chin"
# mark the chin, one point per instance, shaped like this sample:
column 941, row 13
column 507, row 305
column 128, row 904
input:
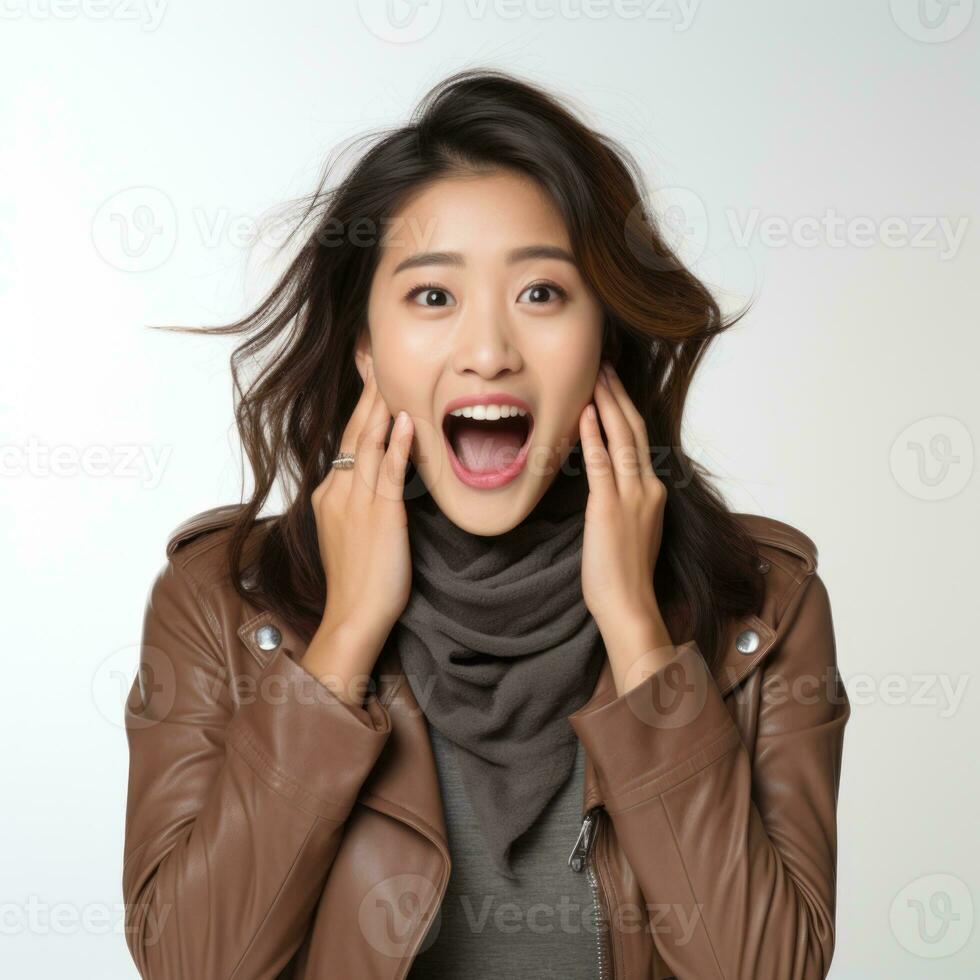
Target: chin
column 485, row 512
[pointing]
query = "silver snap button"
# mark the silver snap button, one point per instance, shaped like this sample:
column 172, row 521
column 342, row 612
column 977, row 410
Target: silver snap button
column 764, row 565
column 747, row 641
column 268, row 637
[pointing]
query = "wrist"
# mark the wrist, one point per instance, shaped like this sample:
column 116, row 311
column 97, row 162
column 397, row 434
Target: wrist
column 341, row 656
column 638, row 619
column 351, row 636
column 637, row 643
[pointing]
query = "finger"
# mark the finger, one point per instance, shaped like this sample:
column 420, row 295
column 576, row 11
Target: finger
column 622, row 444
column 348, row 440
column 360, row 414
column 634, row 419
column 391, row 482
column 598, row 467
column 370, row 449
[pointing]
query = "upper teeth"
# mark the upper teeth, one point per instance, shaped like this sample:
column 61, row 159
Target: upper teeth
column 489, row 413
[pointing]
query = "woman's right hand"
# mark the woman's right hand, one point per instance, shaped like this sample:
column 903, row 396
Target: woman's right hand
column 362, row 526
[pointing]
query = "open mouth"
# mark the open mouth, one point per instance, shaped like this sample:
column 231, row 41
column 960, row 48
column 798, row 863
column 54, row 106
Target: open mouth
column 487, row 452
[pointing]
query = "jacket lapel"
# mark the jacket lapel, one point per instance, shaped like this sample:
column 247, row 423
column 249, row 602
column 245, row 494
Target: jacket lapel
column 404, row 782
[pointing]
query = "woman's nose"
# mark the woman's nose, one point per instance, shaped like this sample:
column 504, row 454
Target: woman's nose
column 485, row 345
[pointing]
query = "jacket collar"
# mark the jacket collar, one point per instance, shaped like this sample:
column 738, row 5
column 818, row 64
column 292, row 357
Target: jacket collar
column 404, row 782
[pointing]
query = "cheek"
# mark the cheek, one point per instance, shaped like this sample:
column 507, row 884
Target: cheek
column 565, row 408
column 391, row 356
column 568, row 362
column 571, row 384
column 396, row 393
column 408, row 343
column 405, row 380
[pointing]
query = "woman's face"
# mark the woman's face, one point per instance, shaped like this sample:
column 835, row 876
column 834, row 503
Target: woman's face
column 477, row 301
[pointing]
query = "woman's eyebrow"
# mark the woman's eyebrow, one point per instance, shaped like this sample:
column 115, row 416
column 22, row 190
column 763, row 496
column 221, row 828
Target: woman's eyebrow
column 514, row 256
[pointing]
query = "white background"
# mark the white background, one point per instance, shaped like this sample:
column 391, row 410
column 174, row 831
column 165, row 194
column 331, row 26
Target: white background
column 845, row 404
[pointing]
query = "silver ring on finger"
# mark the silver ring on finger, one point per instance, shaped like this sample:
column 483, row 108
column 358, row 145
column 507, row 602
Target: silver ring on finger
column 343, row 461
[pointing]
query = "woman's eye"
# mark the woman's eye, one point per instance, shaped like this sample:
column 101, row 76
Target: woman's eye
column 540, row 290
column 432, row 296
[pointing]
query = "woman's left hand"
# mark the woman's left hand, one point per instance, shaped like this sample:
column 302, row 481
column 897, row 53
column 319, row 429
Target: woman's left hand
column 623, row 529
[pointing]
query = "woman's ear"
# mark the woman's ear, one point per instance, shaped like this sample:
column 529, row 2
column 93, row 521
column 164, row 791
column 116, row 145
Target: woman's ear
column 363, row 359
column 364, row 365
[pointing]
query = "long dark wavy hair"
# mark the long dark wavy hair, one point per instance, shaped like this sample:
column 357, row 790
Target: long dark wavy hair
column 659, row 322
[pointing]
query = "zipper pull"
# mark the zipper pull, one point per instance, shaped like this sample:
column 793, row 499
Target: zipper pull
column 583, row 843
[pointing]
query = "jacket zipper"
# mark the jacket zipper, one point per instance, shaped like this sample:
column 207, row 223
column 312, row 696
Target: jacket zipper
column 579, row 859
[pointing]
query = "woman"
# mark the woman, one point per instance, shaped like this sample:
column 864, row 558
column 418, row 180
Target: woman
column 506, row 690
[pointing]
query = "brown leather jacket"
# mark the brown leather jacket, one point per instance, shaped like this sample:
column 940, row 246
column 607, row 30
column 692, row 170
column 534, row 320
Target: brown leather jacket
column 274, row 831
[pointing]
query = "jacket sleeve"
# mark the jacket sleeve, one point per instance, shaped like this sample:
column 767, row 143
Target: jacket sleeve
column 734, row 852
column 233, row 817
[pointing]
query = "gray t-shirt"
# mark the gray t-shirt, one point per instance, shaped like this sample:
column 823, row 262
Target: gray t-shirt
column 491, row 928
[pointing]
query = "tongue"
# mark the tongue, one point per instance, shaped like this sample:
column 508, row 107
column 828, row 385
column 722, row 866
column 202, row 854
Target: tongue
column 484, row 447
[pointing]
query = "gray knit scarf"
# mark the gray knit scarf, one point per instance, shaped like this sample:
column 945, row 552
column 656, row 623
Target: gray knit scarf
column 499, row 648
